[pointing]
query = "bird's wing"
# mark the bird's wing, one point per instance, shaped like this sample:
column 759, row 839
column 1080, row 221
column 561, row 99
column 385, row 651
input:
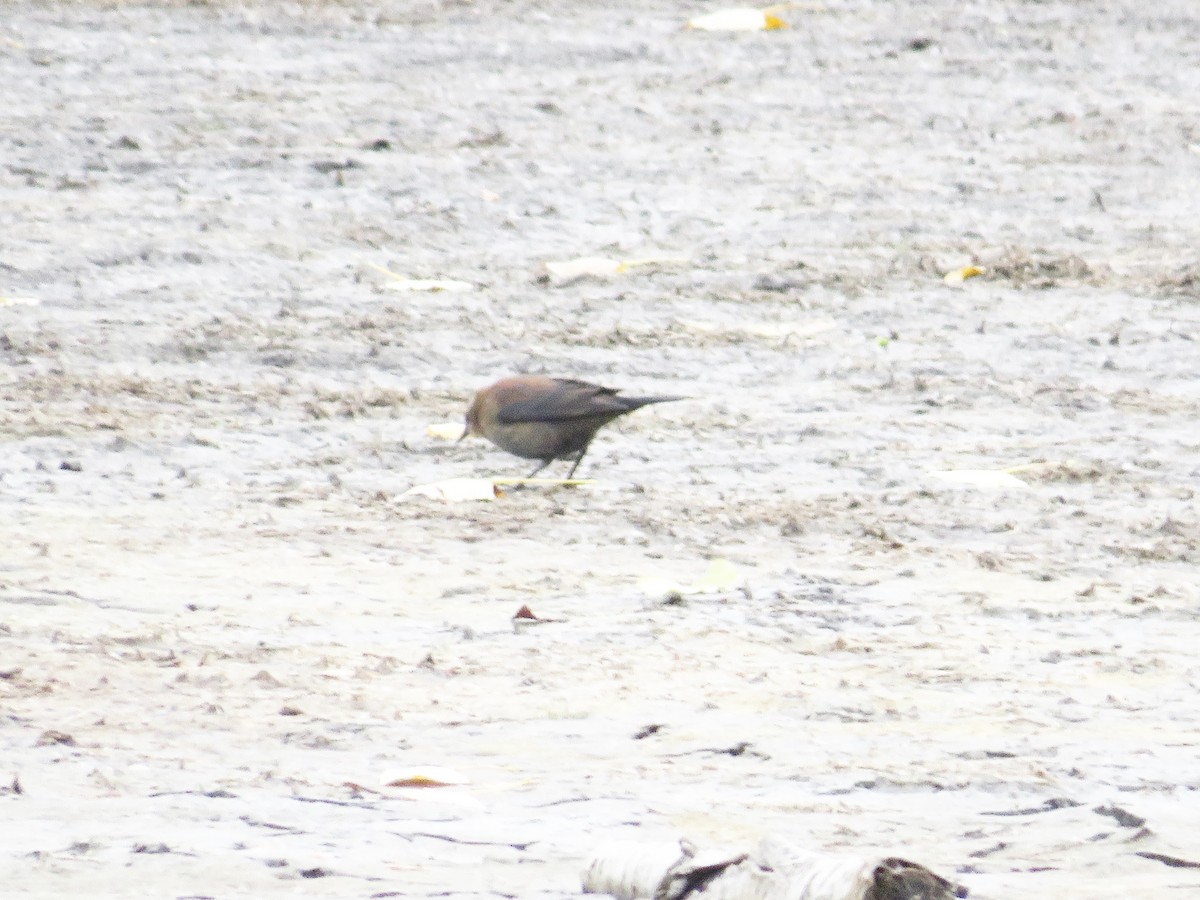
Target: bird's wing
column 565, row 401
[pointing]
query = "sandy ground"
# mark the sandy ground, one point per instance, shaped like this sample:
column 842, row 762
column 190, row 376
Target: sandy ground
column 222, row 634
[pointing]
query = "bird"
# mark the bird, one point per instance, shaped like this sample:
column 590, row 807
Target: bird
column 544, row 418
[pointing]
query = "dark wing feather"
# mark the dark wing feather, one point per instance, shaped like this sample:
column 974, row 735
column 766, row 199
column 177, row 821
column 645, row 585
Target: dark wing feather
column 564, row 402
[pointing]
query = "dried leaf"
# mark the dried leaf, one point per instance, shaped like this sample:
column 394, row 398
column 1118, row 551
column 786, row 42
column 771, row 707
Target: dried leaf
column 456, row 490
column 427, row 777
column 958, row 276
column 445, row 431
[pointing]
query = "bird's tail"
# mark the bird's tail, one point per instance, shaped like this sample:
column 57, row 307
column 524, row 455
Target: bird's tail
column 633, row 403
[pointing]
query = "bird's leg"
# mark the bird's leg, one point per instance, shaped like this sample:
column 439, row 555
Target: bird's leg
column 578, row 460
column 545, row 462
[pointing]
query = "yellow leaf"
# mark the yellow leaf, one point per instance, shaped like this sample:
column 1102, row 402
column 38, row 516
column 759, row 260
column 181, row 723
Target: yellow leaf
column 739, row 18
column 958, row 276
column 427, row 776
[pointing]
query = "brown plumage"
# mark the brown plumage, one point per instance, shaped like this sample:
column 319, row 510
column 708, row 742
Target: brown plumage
column 538, row 417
